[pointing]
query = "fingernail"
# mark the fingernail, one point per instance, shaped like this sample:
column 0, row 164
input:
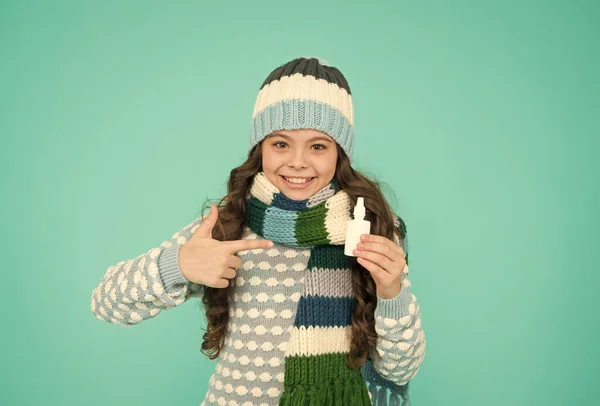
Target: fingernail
column 360, row 245
column 355, row 252
column 270, row 244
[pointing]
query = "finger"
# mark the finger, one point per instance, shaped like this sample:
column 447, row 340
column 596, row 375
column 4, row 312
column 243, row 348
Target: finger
column 375, row 270
column 229, row 273
column 380, row 260
column 382, row 249
column 245, row 245
column 205, row 229
column 381, row 240
column 233, row 261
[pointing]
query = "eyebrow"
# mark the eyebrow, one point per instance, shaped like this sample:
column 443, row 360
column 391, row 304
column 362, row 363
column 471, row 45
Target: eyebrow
column 287, row 137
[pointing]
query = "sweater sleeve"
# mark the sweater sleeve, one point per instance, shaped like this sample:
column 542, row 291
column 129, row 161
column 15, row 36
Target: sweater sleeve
column 401, row 345
column 140, row 288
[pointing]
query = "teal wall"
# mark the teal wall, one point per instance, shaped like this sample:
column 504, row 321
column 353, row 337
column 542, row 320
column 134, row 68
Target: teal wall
column 119, row 118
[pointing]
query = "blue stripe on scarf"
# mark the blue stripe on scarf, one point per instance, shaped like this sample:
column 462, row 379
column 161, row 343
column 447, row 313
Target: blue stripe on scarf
column 280, row 226
column 324, row 311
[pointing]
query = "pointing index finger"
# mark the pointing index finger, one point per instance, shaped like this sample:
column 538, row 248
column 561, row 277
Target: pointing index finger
column 245, row 245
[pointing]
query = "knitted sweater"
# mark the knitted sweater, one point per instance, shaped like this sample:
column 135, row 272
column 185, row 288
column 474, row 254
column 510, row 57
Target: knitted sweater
column 261, row 331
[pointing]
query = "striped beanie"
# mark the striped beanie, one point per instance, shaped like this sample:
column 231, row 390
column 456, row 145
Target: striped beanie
column 305, row 93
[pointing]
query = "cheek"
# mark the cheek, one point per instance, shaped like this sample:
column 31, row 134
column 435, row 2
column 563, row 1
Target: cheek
column 327, row 164
column 269, row 167
column 269, row 161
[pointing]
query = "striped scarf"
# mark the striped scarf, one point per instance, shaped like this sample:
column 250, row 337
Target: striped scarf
column 318, row 223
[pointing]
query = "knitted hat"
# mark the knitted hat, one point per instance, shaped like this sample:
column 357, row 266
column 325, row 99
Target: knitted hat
column 305, row 93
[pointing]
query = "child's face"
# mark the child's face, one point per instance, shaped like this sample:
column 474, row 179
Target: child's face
column 301, row 155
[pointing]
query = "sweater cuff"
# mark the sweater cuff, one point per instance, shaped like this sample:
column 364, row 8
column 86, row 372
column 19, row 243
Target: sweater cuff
column 396, row 307
column 168, row 267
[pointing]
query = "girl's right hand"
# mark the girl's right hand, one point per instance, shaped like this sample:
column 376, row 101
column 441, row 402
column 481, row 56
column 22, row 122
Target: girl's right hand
column 210, row 262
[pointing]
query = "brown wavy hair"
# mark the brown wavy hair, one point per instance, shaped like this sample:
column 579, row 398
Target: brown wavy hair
column 230, row 226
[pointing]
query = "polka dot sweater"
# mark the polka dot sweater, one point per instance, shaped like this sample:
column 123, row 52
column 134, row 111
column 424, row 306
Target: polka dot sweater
column 261, row 331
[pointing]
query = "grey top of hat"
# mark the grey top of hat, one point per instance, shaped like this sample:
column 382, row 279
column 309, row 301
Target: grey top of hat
column 321, row 61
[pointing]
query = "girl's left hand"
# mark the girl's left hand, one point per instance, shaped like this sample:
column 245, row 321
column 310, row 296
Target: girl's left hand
column 384, row 259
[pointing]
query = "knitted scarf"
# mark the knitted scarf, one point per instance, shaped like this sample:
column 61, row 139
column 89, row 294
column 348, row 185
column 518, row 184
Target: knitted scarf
column 318, row 223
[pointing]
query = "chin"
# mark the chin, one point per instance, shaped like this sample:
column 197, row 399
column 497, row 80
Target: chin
column 296, row 194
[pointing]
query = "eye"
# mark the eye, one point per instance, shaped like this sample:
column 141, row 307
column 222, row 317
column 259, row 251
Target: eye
column 279, row 144
column 321, row 147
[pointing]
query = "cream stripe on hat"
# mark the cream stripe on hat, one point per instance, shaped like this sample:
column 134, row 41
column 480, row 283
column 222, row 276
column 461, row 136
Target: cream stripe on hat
column 303, row 87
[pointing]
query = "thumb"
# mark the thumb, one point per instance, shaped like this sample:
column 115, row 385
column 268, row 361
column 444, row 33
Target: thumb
column 205, row 229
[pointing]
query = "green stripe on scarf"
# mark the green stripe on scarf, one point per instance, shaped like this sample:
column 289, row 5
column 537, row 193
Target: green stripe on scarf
column 310, row 226
column 323, row 380
column 328, row 257
column 255, row 215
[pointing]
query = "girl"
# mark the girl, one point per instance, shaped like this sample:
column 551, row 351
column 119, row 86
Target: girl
column 291, row 319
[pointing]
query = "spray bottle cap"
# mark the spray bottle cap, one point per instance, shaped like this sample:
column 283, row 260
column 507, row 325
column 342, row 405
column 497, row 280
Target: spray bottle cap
column 359, row 209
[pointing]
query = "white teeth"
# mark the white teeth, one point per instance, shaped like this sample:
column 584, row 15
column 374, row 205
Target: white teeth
column 297, row 180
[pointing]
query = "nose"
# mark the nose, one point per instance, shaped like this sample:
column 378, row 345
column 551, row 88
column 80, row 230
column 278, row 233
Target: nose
column 298, row 160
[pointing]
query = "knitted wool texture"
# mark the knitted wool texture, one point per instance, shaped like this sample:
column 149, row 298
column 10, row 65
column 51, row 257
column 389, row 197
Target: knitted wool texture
column 312, row 376
column 275, row 293
column 305, row 93
column 295, row 223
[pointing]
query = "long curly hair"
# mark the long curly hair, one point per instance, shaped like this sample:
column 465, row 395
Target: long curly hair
column 230, row 226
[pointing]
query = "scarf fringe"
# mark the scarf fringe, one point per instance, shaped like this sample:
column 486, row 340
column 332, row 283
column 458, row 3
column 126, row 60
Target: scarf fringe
column 350, row 392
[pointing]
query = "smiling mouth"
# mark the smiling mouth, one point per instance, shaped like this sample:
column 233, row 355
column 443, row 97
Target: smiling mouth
column 297, row 180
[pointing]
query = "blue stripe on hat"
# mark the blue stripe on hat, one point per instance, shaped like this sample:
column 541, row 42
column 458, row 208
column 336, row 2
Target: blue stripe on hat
column 294, row 114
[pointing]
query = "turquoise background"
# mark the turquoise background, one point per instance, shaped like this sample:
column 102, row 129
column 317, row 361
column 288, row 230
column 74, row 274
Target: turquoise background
column 119, row 118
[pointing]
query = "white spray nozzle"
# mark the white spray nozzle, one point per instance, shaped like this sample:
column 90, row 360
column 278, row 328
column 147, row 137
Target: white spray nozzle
column 359, row 209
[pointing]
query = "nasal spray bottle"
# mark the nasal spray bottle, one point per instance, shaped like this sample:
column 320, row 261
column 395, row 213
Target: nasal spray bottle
column 356, row 227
